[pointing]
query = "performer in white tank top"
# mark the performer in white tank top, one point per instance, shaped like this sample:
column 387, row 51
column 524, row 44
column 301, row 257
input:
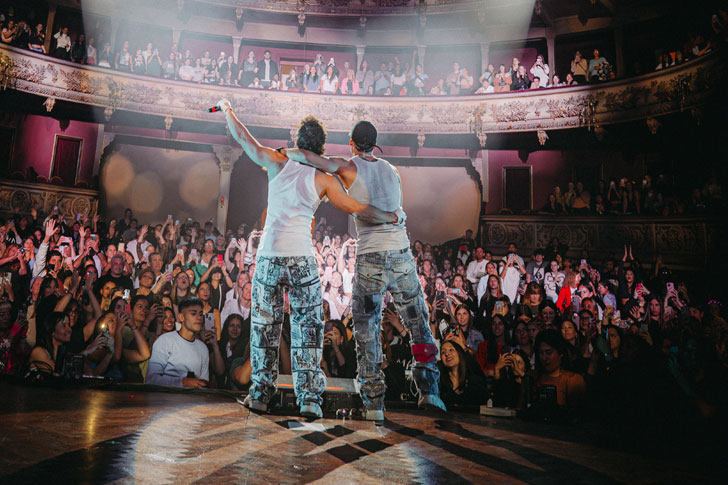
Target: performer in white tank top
column 286, row 259
column 383, row 263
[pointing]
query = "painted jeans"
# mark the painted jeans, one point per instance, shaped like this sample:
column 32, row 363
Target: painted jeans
column 377, row 272
column 273, row 276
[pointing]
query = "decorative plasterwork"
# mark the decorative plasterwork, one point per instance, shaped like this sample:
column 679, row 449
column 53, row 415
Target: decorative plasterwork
column 21, row 197
column 679, row 240
column 353, row 7
column 649, row 96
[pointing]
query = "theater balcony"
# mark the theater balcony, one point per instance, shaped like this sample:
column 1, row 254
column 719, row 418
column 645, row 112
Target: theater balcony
column 466, row 120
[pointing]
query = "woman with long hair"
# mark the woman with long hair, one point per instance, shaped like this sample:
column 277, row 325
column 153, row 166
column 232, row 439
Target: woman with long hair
column 311, row 81
column 550, row 372
column 462, row 322
column 571, row 283
column 235, row 350
column 204, row 293
column 461, row 383
column 329, row 81
column 490, row 350
column 531, row 300
column 53, row 335
column 339, row 358
column 493, row 292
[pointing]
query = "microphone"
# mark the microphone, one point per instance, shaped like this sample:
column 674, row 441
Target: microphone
column 214, row 109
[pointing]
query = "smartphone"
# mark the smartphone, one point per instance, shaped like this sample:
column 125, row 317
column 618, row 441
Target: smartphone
column 617, row 316
column 193, row 253
column 126, row 294
column 120, row 247
column 583, row 262
column 169, row 217
column 638, row 290
column 7, row 277
column 220, row 259
column 670, row 286
column 209, row 321
column 94, row 237
column 439, row 295
column 169, row 268
column 575, row 302
column 181, row 252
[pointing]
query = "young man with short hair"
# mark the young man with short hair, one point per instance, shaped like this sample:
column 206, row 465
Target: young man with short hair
column 179, row 359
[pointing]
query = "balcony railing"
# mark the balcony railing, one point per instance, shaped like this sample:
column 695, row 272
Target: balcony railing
column 683, row 242
column 21, row 197
column 682, row 88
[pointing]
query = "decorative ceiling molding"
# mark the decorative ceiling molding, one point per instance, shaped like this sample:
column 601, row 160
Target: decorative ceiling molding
column 683, row 88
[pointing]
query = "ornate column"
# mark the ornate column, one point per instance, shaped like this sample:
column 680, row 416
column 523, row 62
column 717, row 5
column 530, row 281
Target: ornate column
column 619, row 45
column 421, row 49
column 226, row 158
column 551, row 52
column 359, row 55
column 176, row 34
column 484, row 57
column 49, row 27
column 236, row 48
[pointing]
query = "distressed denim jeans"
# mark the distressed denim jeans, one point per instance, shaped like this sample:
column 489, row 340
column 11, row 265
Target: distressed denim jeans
column 273, row 275
column 395, row 271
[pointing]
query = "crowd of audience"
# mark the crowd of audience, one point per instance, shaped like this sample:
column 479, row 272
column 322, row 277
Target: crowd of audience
column 625, row 197
column 169, row 304
column 391, row 78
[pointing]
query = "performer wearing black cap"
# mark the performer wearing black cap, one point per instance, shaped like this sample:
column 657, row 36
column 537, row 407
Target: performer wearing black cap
column 383, row 263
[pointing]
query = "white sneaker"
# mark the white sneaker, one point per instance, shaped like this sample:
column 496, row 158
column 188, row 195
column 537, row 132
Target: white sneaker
column 253, row 405
column 431, row 402
column 374, row 415
column 311, row 411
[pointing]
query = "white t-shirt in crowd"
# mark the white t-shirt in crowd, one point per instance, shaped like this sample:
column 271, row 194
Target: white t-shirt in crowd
column 233, row 306
column 476, row 269
column 348, row 281
column 340, row 299
column 173, row 357
column 509, row 284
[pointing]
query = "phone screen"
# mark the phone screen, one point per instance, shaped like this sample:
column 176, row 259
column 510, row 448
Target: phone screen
column 220, row 259
column 209, row 321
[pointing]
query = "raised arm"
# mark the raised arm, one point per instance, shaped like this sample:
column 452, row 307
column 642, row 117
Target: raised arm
column 264, row 156
column 332, row 188
column 327, row 164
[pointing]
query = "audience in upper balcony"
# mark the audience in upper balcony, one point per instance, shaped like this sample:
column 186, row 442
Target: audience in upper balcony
column 267, row 69
column 36, row 42
column 393, row 77
column 540, row 70
column 488, row 75
column 600, row 69
column 365, row 77
column 63, row 43
column 123, row 60
column 503, row 80
column 521, row 81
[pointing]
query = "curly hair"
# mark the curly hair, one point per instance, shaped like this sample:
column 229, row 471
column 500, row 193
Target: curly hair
column 311, row 135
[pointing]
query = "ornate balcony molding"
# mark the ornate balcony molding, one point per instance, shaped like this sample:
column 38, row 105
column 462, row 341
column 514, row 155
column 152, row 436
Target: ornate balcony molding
column 21, row 197
column 681, row 241
column 683, row 88
column 353, row 7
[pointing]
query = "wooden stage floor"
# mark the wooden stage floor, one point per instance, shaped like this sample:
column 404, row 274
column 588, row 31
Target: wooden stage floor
column 114, row 436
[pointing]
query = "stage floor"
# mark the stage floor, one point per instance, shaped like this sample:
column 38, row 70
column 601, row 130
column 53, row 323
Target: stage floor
column 111, row 436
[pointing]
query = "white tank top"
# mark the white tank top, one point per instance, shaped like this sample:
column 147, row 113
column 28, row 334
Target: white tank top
column 377, row 183
column 292, row 200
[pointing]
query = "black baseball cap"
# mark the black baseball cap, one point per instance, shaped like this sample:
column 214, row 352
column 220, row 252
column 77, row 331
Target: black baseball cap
column 364, row 136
